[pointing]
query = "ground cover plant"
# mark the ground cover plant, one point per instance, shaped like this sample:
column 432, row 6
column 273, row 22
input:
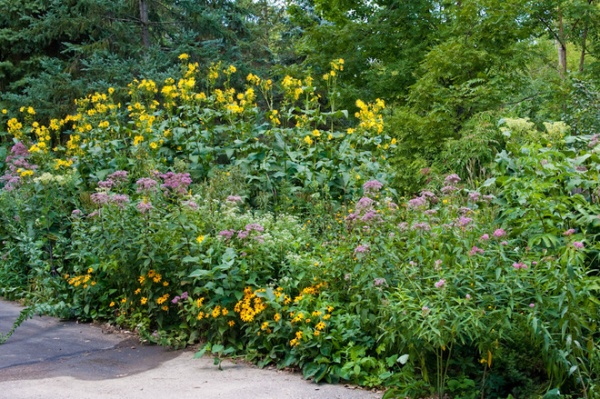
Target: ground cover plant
column 257, row 218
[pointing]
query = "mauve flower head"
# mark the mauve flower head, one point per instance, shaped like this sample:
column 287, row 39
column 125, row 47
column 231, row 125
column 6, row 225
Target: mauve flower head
column 260, row 239
column 468, row 296
column 474, row 251
column 488, row 197
column 464, row 210
column 578, row 244
column 146, row 185
column 519, row 265
column 370, row 215
column 76, row 213
column 352, row 216
column 464, row 221
column 430, row 212
column 581, row 168
column 452, row 179
column 255, row 227
column 372, row 186
column 176, row 299
column 120, row 176
column 184, row 295
column 417, row 202
column 441, row 283
column 242, row 234
column 569, row 232
column 379, row 281
column 120, row 200
column 421, row 226
column 428, row 194
column 18, row 150
column 499, row 233
column 227, row 234
column 484, row 237
column 504, row 243
column 534, row 263
column 93, row 214
column 532, row 305
column 361, row 249
column 106, row 184
column 425, row 310
column 144, row 207
column 100, row 198
column 474, row 196
column 363, row 203
column 176, row 182
column 403, row 226
column 234, row 199
column 593, row 141
column 190, row 204
column 448, row 189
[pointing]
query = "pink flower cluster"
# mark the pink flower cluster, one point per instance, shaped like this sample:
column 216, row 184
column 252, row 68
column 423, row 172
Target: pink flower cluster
column 177, row 183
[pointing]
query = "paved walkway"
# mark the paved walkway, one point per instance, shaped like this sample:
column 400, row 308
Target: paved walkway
column 52, row 359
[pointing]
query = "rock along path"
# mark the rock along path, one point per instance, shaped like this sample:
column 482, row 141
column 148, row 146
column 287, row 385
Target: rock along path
column 52, row 359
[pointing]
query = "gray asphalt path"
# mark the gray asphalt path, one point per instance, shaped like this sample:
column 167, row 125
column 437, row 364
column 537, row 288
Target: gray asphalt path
column 51, row 359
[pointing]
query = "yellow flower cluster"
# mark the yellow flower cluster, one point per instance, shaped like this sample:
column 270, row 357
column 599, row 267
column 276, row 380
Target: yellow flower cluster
column 250, row 306
column 336, row 65
column 292, row 88
column 81, row 280
column 296, row 341
column 14, row 128
column 59, row 163
column 162, row 299
column 370, row 116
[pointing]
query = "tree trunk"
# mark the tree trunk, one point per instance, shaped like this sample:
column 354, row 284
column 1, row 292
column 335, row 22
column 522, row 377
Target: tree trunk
column 582, row 56
column 144, row 20
column 561, row 45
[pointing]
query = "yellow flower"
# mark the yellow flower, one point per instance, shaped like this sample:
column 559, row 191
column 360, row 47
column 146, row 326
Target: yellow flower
column 30, row 111
column 224, row 311
column 308, row 140
column 112, row 304
column 320, row 326
column 277, row 317
column 232, row 69
column 231, row 323
column 4, row 111
column 111, row 90
column 142, row 279
column 201, row 316
column 445, row 201
column 157, row 278
column 123, row 300
column 137, row 291
column 357, row 177
column 200, row 239
column 138, row 139
column 144, row 300
column 183, row 57
column 316, row 133
column 153, row 145
column 199, row 302
column 165, row 283
column 165, row 308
